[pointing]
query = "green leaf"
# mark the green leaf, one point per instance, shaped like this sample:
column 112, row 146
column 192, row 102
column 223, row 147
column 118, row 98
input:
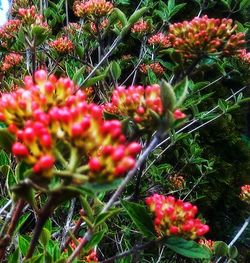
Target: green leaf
column 6, row 139
column 101, row 218
column 233, row 252
column 14, row 256
column 101, row 188
column 220, row 248
column 23, row 244
column 244, row 4
column 78, row 76
column 181, row 90
column 136, row 16
column 36, row 259
column 4, row 159
column 94, row 80
column 95, row 240
column 187, row 248
column 121, row 16
column 167, row 96
column 116, row 70
column 44, row 237
column 140, row 217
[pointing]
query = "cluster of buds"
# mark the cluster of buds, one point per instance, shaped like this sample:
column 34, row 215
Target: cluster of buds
column 177, row 181
column 155, row 67
column 101, row 26
column 8, row 31
column 10, row 61
column 175, row 217
column 92, row 257
column 245, row 193
column 207, row 243
column 204, row 36
column 244, row 56
column 17, row 4
column 82, row 124
column 48, row 110
column 138, row 102
column 34, row 146
column 71, row 28
column 62, row 45
column 159, row 40
column 92, row 8
column 29, row 15
column 141, row 27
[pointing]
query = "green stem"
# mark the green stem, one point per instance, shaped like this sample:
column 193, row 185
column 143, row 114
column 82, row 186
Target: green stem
column 73, row 159
column 60, row 157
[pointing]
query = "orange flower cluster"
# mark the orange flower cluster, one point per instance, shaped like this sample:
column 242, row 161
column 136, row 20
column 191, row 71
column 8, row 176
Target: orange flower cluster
column 71, row 28
column 141, row 27
column 245, row 193
column 10, row 61
column 155, row 67
column 91, row 257
column 175, row 217
column 177, row 181
column 8, row 31
column 208, row 243
column 49, row 110
column 159, row 40
column 101, row 26
column 95, row 8
column 204, row 36
column 62, row 45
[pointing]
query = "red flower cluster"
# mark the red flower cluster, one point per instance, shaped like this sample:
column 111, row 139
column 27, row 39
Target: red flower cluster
column 245, row 193
column 141, row 27
column 62, row 45
column 155, row 67
column 204, row 35
column 175, row 217
column 17, row 4
column 244, row 56
column 29, row 15
column 8, row 30
column 159, row 40
column 137, row 102
column 11, row 60
column 96, row 8
column 49, row 110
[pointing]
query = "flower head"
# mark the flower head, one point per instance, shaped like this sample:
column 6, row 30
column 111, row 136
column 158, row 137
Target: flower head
column 155, row 67
column 175, row 217
column 141, row 27
column 138, row 102
column 245, row 193
column 10, row 61
column 95, row 8
column 159, row 40
column 62, row 45
column 204, row 35
column 8, row 31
